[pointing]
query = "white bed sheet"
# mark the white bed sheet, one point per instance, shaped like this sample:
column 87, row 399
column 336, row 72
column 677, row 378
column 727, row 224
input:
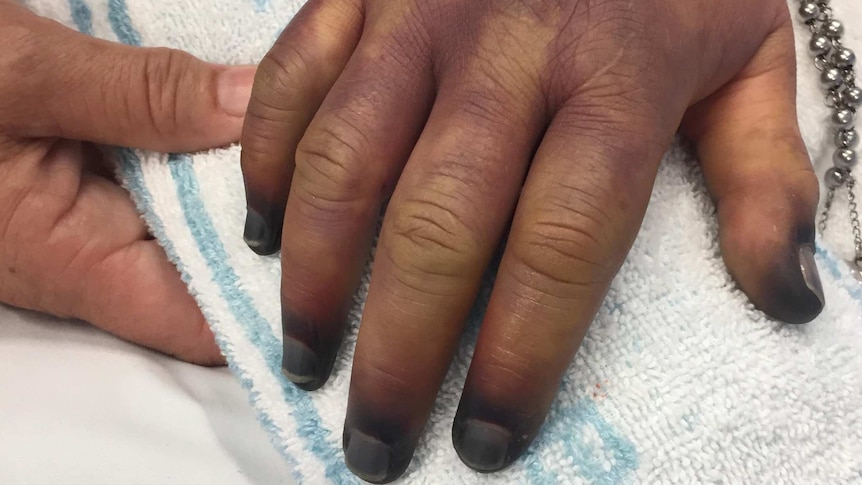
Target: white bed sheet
column 78, row 406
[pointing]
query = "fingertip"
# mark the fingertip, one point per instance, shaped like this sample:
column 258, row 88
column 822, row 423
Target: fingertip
column 300, row 365
column 482, row 446
column 262, row 234
column 490, row 432
column 369, row 458
column 811, row 277
column 375, row 449
column 776, row 268
column 205, row 352
column 308, row 355
column 233, row 89
column 789, row 296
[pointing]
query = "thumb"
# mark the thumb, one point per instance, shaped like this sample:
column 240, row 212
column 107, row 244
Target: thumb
column 78, row 87
column 758, row 172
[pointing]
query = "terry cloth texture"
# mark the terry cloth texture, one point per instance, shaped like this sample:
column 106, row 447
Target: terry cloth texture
column 679, row 380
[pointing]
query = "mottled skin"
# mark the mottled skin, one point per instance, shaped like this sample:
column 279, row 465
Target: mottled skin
column 543, row 118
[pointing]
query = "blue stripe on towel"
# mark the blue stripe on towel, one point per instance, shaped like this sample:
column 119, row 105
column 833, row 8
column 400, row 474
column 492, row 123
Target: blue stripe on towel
column 309, row 425
column 82, row 16
column 121, row 23
column 613, row 463
column 262, row 5
column 130, row 168
column 841, row 274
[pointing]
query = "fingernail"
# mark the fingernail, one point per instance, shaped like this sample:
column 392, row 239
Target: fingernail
column 367, row 457
column 810, row 273
column 482, row 446
column 792, row 292
column 234, row 89
column 299, row 363
column 309, row 353
column 259, row 235
column 797, row 293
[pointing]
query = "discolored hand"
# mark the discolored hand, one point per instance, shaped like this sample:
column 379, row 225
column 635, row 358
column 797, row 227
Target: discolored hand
column 544, row 117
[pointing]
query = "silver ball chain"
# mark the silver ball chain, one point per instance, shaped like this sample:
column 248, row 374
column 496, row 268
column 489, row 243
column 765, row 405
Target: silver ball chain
column 835, row 63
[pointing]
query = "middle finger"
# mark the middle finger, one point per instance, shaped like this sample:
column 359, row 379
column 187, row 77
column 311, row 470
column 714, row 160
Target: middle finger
column 446, row 217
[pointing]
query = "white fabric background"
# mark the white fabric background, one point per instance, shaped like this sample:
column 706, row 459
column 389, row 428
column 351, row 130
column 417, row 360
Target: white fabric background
column 114, row 413
column 78, row 406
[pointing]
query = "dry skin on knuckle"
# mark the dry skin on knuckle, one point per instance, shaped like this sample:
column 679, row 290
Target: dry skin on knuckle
column 281, row 77
column 556, row 257
column 329, row 164
column 427, row 236
column 574, row 231
column 263, row 142
column 271, row 112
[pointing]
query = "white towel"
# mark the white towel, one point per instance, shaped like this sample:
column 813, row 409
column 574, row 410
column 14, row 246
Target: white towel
column 679, row 379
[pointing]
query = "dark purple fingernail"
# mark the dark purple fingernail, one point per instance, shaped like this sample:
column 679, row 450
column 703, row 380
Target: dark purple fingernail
column 308, row 355
column 791, row 288
column 482, row 446
column 810, row 274
column 489, row 435
column 299, row 363
column 260, row 233
column 378, row 444
column 368, row 458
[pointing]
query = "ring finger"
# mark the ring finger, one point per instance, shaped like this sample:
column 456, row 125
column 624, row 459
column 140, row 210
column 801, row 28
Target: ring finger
column 581, row 207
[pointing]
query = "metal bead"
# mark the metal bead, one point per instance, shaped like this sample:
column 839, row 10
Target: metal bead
column 820, row 44
column 832, row 77
column 844, row 57
column 853, row 97
column 843, row 118
column 847, row 139
column 809, row 10
column 834, row 178
column 833, row 29
column 845, row 158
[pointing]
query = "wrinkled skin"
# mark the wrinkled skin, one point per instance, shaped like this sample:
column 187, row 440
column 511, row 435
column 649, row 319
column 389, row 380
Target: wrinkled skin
column 71, row 241
column 543, row 121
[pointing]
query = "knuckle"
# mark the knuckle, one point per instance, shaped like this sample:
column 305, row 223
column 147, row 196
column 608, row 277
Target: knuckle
column 559, row 252
column 566, row 245
column 487, row 109
column 427, row 235
column 166, row 72
column 263, row 140
column 279, row 76
column 329, row 165
column 276, row 101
